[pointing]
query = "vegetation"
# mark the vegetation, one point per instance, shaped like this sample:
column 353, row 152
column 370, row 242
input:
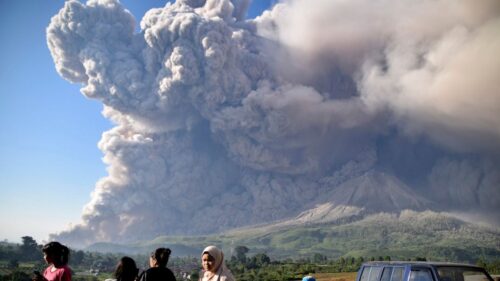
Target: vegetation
column 17, row 261
column 426, row 234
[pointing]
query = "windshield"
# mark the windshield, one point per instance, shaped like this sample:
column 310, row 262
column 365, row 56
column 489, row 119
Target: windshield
column 456, row 273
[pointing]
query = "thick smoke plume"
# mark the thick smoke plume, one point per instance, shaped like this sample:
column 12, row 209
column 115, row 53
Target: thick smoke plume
column 224, row 122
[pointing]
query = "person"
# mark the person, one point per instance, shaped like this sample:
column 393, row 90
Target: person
column 158, row 270
column 214, row 268
column 126, row 270
column 56, row 256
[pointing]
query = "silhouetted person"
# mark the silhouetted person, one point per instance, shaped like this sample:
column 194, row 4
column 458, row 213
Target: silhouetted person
column 158, row 270
column 126, row 270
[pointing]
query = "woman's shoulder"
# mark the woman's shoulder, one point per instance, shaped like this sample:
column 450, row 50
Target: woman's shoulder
column 62, row 268
column 226, row 275
column 160, row 269
column 170, row 272
column 158, row 272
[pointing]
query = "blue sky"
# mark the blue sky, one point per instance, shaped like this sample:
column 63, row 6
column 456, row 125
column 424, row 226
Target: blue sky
column 49, row 160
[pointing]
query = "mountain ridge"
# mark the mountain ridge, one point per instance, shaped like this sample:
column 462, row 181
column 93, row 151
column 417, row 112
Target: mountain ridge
column 437, row 236
column 378, row 192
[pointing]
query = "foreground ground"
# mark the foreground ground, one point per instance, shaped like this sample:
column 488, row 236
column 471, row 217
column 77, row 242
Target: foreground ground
column 342, row 276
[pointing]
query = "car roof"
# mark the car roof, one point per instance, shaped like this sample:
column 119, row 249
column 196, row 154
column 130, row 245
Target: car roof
column 421, row 263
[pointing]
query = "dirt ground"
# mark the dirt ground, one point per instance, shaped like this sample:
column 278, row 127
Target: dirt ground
column 343, row 276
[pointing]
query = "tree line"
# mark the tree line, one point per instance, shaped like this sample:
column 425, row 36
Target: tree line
column 18, row 260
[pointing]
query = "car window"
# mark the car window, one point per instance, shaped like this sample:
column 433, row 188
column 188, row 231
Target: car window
column 420, row 274
column 375, row 273
column 370, row 273
column 449, row 273
column 386, row 274
column 397, row 274
column 391, row 273
column 365, row 274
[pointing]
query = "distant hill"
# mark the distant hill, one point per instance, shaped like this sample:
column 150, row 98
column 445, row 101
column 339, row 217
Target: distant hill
column 345, row 231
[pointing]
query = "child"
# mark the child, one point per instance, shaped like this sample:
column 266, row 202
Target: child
column 57, row 256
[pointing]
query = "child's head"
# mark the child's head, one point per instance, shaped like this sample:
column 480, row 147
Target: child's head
column 56, row 253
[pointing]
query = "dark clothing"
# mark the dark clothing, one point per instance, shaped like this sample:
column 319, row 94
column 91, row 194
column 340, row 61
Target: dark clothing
column 157, row 274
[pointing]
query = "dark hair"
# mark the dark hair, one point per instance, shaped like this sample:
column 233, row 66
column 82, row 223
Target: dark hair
column 161, row 256
column 57, row 252
column 126, row 270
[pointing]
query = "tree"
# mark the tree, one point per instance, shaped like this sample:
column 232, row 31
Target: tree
column 18, row 276
column 359, row 261
column 13, row 264
column 261, row 259
column 30, row 249
column 77, row 257
column 195, row 275
column 241, row 252
column 481, row 262
column 319, row 258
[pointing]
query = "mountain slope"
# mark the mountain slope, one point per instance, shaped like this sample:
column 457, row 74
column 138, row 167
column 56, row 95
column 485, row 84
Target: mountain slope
column 407, row 234
column 378, row 192
column 438, row 236
column 374, row 214
column 370, row 193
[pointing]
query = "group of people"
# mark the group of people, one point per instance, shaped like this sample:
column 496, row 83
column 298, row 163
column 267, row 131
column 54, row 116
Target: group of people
column 212, row 261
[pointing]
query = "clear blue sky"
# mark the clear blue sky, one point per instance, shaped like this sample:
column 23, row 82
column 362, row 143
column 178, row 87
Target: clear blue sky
column 49, row 160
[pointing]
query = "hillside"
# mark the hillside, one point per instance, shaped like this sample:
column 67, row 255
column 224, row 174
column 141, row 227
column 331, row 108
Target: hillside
column 437, row 236
column 377, row 191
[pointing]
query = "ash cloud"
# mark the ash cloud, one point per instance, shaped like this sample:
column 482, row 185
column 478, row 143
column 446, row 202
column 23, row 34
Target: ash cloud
column 224, row 122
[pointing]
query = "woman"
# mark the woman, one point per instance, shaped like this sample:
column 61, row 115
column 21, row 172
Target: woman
column 214, row 269
column 158, row 270
column 57, row 256
column 126, row 270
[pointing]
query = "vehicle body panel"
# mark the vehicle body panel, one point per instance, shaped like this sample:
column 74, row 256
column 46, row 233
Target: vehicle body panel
column 420, row 271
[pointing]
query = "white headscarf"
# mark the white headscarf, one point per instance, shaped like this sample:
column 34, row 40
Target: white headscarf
column 220, row 272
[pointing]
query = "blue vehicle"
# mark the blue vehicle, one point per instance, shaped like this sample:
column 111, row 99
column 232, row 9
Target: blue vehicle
column 421, row 271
